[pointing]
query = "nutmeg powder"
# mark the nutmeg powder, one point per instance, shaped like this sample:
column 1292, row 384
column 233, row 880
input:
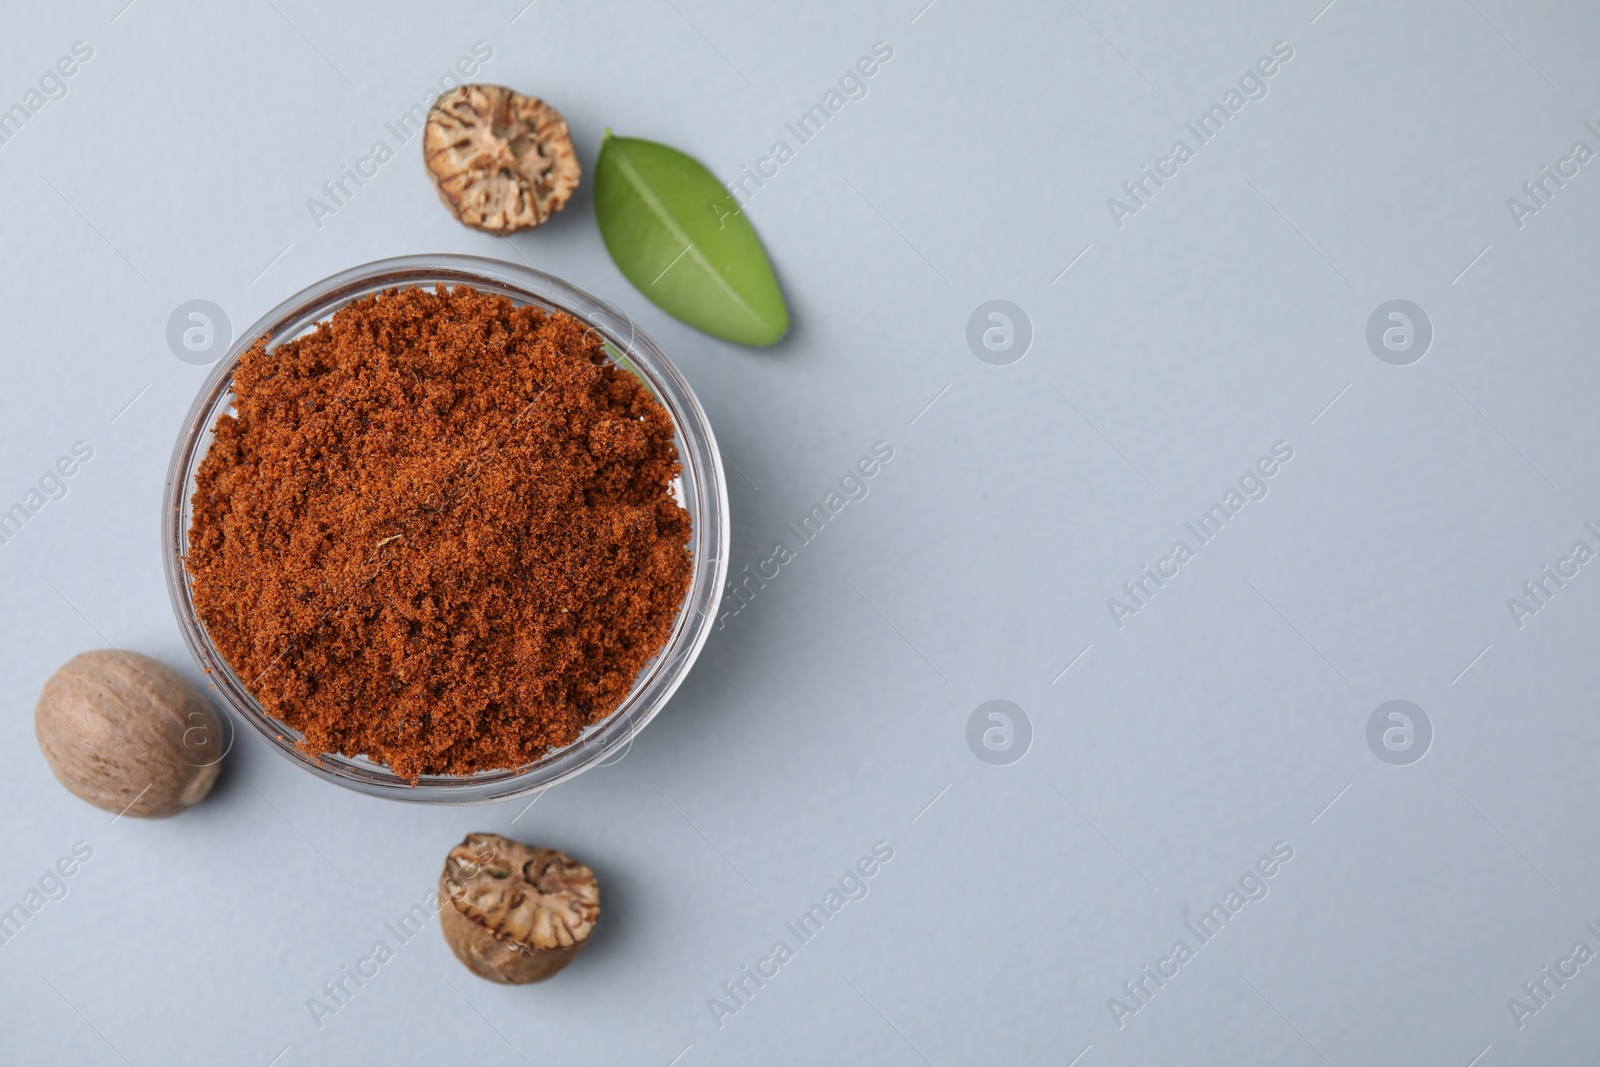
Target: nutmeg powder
column 438, row 531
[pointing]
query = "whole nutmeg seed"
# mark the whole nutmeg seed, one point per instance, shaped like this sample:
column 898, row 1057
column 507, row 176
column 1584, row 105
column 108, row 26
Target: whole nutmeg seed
column 128, row 734
column 512, row 913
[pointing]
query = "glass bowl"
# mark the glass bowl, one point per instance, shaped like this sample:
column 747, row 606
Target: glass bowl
column 701, row 489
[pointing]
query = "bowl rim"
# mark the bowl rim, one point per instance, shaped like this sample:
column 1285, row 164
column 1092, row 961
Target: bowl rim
column 704, row 494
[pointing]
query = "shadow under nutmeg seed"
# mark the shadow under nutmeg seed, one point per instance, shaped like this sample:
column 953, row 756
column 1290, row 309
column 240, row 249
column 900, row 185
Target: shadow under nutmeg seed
column 513, row 913
column 128, row 734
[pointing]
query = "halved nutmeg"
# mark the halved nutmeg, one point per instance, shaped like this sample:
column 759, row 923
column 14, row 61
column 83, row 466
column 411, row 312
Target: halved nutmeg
column 501, row 161
column 512, row 913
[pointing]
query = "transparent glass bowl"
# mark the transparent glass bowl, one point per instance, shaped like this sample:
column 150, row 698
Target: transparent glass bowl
column 701, row 489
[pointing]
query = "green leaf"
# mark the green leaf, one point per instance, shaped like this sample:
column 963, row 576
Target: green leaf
column 683, row 241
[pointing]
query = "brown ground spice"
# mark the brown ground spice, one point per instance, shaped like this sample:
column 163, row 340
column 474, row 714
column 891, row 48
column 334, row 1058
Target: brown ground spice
column 438, row 531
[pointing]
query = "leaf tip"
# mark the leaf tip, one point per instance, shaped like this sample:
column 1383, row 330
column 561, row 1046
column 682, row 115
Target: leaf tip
column 778, row 328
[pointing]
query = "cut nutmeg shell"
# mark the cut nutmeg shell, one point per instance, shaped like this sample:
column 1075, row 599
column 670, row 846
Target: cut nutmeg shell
column 513, row 913
column 501, row 161
column 128, row 734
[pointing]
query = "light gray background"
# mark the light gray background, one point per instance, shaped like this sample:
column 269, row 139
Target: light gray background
column 1224, row 717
